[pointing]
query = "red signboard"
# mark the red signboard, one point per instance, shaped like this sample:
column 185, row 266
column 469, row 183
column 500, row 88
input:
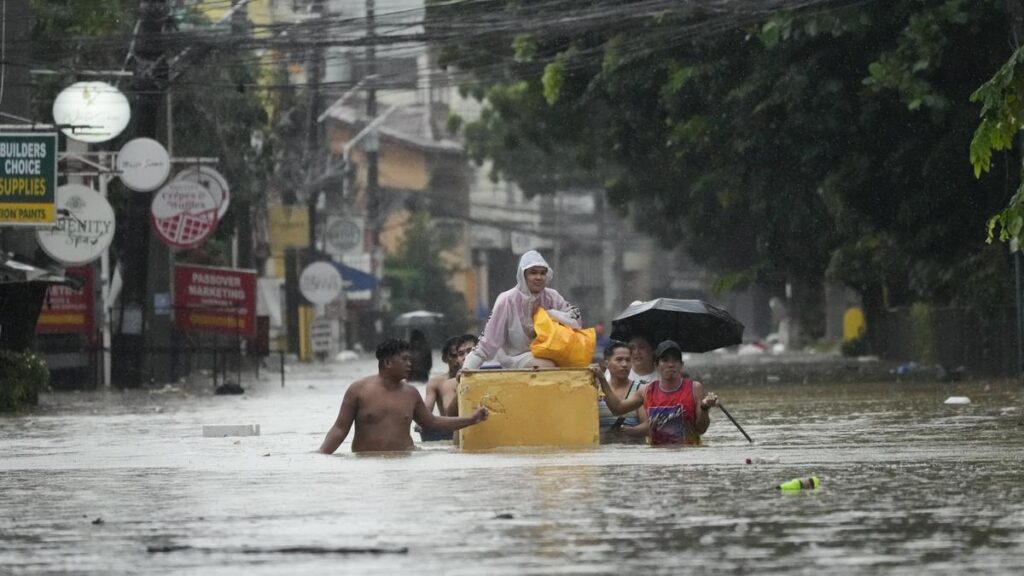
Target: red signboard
column 69, row 311
column 208, row 299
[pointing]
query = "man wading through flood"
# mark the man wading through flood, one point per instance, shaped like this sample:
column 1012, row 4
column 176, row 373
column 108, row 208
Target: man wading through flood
column 677, row 407
column 382, row 407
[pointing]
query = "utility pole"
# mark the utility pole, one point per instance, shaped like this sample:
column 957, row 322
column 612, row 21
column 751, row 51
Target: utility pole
column 373, row 204
column 243, row 216
column 148, row 84
column 373, row 201
column 313, row 169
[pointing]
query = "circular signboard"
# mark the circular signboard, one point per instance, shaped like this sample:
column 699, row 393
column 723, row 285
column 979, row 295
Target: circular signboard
column 211, row 180
column 344, row 234
column 85, row 226
column 183, row 214
column 320, row 282
column 91, row 112
column 144, row 164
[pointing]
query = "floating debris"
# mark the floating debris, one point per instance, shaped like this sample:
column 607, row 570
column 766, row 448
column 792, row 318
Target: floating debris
column 323, row 550
column 225, row 430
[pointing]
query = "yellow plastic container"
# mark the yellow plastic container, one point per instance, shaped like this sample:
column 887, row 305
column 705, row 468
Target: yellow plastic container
column 554, row 407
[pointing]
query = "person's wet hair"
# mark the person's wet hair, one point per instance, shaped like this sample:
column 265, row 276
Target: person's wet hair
column 391, row 347
column 450, row 347
column 610, row 349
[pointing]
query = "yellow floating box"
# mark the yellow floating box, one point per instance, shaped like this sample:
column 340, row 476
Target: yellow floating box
column 553, row 407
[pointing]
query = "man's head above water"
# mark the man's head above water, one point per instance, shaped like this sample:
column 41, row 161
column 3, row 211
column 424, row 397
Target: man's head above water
column 394, row 358
column 642, row 354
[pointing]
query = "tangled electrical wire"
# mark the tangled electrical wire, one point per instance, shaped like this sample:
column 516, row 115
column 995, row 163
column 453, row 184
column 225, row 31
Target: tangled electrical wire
column 397, row 31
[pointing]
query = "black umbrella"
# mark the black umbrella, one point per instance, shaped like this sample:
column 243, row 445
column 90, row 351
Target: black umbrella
column 696, row 325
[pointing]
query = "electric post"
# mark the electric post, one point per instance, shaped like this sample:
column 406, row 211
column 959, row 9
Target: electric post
column 148, row 83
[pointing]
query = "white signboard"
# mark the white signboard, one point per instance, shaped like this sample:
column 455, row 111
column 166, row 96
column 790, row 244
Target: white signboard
column 183, row 214
column 321, row 336
column 344, row 234
column 144, row 164
column 320, row 282
column 211, row 180
column 91, row 112
column 85, row 226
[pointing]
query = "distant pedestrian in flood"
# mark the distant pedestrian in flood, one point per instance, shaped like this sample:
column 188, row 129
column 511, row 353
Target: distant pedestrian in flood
column 422, row 357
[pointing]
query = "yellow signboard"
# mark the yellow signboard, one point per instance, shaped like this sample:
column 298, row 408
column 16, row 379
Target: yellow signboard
column 289, row 228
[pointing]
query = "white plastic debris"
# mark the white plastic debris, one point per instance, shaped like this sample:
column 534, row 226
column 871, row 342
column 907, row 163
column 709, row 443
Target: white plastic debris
column 957, row 400
column 225, row 430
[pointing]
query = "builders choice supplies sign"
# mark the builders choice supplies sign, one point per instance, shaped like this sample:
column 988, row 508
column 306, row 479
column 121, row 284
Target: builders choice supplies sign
column 28, row 179
column 208, row 299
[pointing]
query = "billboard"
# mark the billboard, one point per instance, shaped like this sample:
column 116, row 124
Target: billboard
column 209, row 299
column 69, row 311
column 28, row 179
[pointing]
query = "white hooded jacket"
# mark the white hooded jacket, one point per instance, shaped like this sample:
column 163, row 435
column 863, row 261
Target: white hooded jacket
column 509, row 330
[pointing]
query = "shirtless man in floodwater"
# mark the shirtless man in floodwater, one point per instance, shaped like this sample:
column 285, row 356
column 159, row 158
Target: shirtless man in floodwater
column 383, row 406
column 441, row 389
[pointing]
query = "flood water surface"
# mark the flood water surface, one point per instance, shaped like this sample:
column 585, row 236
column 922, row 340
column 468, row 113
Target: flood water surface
column 124, row 483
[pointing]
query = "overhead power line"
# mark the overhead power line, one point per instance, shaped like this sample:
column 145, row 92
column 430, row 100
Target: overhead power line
column 463, row 21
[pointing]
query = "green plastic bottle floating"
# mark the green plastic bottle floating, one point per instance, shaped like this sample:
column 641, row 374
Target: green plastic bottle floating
column 811, row 483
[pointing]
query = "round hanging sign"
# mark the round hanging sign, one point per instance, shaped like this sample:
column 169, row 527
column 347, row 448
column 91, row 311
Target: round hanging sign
column 84, row 229
column 211, row 180
column 144, row 164
column 91, row 112
column 183, row 214
column 320, row 283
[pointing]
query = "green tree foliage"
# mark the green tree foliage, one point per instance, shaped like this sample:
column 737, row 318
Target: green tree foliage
column 418, row 275
column 807, row 143
column 1002, row 117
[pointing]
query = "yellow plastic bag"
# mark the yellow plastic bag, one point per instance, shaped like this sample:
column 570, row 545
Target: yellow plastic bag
column 566, row 347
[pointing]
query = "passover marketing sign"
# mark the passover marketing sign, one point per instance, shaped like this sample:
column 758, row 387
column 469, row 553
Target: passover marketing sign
column 28, row 179
column 208, row 299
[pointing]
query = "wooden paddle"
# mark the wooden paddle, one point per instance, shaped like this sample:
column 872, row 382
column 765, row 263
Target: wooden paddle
column 735, row 423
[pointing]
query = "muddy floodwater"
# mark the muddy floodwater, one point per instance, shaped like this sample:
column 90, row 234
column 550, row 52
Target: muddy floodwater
column 124, row 483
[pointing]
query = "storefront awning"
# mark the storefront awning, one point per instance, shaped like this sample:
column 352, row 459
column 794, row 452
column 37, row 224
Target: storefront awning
column 355, row 280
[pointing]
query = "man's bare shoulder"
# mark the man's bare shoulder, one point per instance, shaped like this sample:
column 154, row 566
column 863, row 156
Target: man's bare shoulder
column 411, row 391
column 449, row 384
column 437, row 380
column 363, row 383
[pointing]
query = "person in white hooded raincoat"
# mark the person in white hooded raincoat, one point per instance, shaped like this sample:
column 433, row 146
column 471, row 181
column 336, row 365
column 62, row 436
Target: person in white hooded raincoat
column 509, row 330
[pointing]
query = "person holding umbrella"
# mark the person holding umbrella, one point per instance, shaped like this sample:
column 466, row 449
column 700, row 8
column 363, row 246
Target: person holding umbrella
column 509, row 330
column 677, row 407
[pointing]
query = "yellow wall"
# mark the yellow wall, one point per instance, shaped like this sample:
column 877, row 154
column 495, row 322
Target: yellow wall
column 398, row 167
column 404, row 168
